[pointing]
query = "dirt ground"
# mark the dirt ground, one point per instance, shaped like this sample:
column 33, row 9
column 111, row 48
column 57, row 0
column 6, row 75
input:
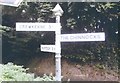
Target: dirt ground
column 72, row 71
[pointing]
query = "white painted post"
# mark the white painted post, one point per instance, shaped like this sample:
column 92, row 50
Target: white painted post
column 0, row 34
column 58, row 12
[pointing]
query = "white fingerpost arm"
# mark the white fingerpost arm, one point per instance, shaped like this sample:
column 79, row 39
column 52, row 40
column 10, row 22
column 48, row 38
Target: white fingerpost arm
column 58, row 12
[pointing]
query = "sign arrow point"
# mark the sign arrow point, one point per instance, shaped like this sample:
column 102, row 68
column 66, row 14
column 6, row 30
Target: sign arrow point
column 58, row 10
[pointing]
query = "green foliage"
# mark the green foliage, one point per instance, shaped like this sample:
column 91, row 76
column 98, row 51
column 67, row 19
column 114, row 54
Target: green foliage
column 100, row 66
column 12, row 72
column 93, row 17
column 4, row 28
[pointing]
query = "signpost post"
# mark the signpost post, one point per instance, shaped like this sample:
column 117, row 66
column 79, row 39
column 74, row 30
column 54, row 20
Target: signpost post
column 58, row 12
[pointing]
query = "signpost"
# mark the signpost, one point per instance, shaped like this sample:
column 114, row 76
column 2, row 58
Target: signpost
column 48, row 48
column 15, row 3
column 58, row 12
column 37, row 26
column 83, row 37
column 80, row 37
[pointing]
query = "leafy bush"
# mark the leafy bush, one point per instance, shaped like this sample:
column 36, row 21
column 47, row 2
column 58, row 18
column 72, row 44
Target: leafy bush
column 4, row 28
column 12, row 72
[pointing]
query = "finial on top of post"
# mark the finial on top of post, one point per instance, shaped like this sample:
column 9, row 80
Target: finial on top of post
column 58, row 10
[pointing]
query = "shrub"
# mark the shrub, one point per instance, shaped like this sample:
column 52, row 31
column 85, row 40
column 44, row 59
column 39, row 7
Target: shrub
column 12, row 72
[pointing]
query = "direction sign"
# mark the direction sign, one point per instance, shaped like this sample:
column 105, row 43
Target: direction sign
column 83, row 37
column 37, row 26
column 48, row 48
column 15, row 3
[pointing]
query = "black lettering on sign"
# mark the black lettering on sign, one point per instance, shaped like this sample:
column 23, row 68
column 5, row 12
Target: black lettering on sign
column 85, row 37
column 24, row 26
column 45, row 48
column 53, row 48
column 92, row 36
column 49, row 26
column 65, row 38
column 29, row 26
column 98, row 36
column 72, row 37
